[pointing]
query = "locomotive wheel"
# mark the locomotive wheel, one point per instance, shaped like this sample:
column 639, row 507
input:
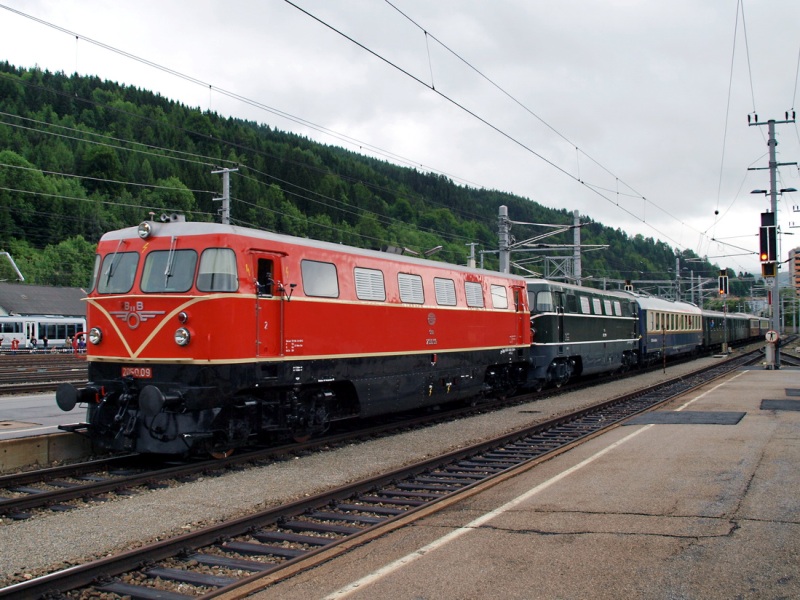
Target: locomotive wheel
column 220, row 454
column 301, row 438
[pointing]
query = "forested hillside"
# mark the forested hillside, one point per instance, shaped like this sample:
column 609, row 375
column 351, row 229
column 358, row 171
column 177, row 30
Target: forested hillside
column 79, row 156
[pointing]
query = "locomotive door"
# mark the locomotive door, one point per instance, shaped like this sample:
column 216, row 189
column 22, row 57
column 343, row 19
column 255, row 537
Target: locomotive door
column 523, row 313
column 269, row 305
column 558, row 302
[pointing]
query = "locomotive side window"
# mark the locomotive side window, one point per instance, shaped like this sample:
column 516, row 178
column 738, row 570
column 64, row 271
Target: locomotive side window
column 319, row 279
column 617, row 308
column 369, row 284
column 474, row 293
column 596, row 306
column 607, row 307
column 445, row 291
column 585, row 306
column 117, row 273
column 499, row 297
column 169, row 271
column 217, row 271
column 410, row 288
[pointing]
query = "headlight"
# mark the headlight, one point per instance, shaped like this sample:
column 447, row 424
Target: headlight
column 145, row 229
column 182, row 336
column 95, row 335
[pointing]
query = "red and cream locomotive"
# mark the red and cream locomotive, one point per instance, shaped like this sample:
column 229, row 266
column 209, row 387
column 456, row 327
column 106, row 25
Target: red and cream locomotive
column 204, row 337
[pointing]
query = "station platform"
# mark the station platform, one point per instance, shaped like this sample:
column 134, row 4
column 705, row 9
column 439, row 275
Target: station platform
column 700, row 499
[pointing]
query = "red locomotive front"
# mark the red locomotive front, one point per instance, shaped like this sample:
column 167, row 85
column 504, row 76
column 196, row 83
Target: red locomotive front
column 204, row 336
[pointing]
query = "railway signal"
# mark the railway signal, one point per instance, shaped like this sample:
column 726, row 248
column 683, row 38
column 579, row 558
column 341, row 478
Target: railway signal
column 723, row 282
column 767, row 238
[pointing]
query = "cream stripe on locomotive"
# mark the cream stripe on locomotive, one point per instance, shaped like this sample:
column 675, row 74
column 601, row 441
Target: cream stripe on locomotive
column 587, row 342
column 294, row 358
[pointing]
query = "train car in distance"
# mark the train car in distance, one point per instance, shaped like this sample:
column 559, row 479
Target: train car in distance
column 580, row 331
column 204, row 337
column 59, row 331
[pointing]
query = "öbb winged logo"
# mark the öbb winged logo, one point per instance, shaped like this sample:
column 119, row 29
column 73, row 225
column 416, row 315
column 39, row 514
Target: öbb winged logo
column 133, row 313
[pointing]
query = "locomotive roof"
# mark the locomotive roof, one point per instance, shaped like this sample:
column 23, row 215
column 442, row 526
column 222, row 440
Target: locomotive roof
column 581, row 288
column 191, row 228
column 28, row 300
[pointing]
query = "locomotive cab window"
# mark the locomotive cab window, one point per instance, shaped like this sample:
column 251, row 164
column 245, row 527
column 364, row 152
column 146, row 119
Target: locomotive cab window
column 169, row 271
column 544, row 302
column 118, row 272
column 499, row 297
column 319, row 279
column 97, row 262
column 264, row 281
column 217, row 271
column 572, row 303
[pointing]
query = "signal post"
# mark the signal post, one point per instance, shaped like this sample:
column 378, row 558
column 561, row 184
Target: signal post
column 769, row 266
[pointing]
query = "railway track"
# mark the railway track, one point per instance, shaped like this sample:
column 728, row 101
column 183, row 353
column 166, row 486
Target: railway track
column 40, row 372
column 240, row 556
column 65, row 487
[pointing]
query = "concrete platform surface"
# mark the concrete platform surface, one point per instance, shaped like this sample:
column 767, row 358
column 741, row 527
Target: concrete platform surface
column 678, row 509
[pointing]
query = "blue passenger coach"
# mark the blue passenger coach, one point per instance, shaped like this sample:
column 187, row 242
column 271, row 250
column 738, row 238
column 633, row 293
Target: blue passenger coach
column 669, row 328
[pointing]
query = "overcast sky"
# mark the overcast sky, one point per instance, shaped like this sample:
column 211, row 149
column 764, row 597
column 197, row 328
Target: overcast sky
column 576, row 104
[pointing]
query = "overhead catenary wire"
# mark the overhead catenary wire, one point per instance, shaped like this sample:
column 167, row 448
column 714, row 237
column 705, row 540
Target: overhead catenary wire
column 499, row 130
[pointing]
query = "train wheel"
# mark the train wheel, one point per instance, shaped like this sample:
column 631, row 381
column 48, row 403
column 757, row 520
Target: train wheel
column 301, row 438
column 220, row 454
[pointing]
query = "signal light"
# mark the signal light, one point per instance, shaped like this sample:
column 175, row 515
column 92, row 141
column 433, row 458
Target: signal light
column 767, row 238
column 769, row 269
column 723, row 283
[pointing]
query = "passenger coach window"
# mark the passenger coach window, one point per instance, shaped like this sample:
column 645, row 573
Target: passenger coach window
column 474, row 293
column 445, row 291
column 217, row 271
column 118, row 272
column 169, row 271
column 369, row 284
column 319, row 279
column 410, row 288
column 499, row 297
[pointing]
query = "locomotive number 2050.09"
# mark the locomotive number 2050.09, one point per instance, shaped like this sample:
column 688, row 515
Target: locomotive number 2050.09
column 138, row 372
